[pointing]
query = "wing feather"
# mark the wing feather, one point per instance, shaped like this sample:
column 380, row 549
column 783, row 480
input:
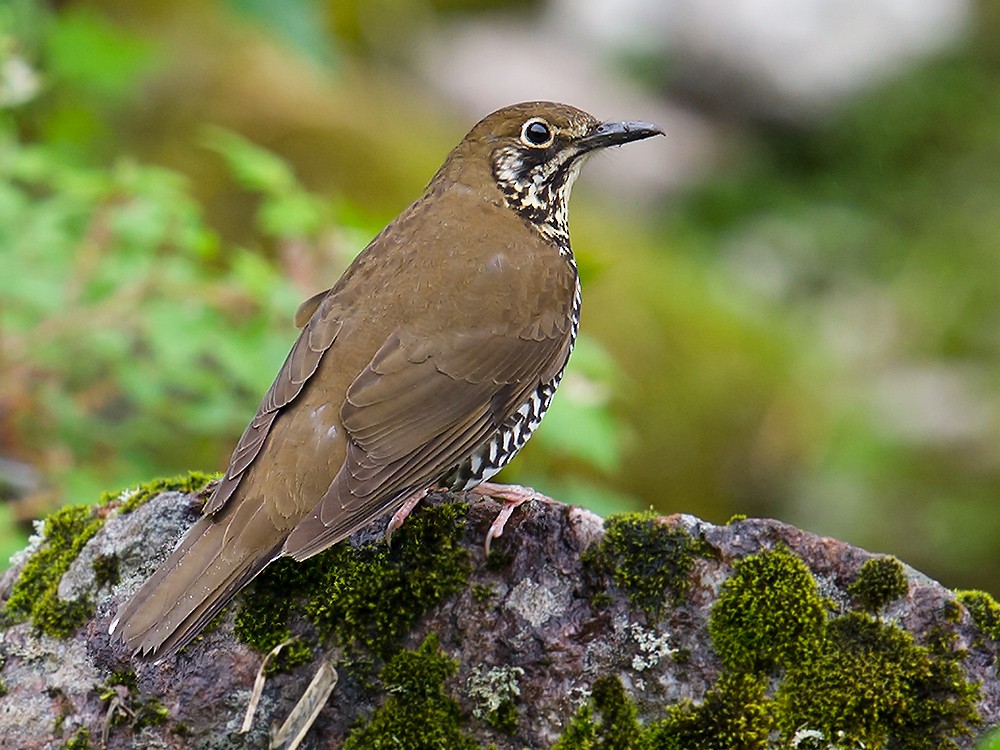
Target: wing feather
column 422, row 406
column 301, row 364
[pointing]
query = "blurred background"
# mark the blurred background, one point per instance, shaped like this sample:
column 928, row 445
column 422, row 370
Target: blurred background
column 791, row 303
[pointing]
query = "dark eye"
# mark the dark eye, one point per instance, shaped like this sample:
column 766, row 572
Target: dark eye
column 536, row 133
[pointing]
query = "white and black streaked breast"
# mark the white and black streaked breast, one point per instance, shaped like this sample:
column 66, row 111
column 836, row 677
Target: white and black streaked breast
column 513, row 434
column 537, row 186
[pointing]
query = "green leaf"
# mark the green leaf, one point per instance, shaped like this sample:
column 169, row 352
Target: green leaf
column 254, row 167
column 95, row 55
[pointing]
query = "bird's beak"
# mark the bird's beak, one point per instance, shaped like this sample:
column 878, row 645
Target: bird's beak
column 616, row 133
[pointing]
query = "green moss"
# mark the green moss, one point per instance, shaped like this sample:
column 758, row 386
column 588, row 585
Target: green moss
column 869, row 683
column 130, row 499
column 852, row 680
column 952, row 611
column 121, row 677
column 79, row 741
column 645, row 557
column 984, row 610
column 369, row 596
column 880, row 581
column 418, row 712
column 34, row 595
column 581, row 734
column 769, row 613
column 482, row 593
column 498, row 559
column 735, row 715
column 504, row 719
column 736, row 518
column 601, row 600
column 607, row 722
column 105, row 570
column 262, row 618
column 125, row 704
column 3, row 688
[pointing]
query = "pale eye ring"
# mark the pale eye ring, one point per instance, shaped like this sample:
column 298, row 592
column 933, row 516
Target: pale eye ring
column 537, row 133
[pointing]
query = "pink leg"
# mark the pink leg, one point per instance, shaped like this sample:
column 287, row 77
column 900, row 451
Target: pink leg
column 404, row 511
column 513, row 495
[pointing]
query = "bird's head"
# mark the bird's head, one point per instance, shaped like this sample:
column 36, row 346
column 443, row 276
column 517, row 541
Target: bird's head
column 532, row 152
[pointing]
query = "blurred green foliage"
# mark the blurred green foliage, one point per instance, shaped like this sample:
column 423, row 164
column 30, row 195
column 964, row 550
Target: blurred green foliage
column 989, row 742
column 128, row 328
column 810, row 333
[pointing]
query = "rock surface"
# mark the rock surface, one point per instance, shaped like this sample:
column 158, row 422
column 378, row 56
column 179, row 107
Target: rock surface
column 663, row 631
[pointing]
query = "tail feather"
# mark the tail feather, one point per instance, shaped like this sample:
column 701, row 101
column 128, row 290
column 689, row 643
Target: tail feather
column 189, row 588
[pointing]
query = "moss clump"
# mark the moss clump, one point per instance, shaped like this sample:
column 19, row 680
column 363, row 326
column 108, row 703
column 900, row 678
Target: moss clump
column 193, row 481
column 601, row 600
column 607, row 722
column 854, row 680
column 125, row 704
column 79, row 741
column 869, row 683
column 369, row 596
column 735, row 715
column 850, row 681
column 645, row 557
column 374, row 595
column 105, row 571
column 262, row 618
column 984, row 610
column 769, row 613
column 482, row 593
column 498, row 558
column 34, row 595
column 418, row 712
column 504, row 719
column 880, row 581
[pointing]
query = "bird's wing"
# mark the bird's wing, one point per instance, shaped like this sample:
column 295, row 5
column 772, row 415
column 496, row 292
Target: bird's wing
column 307, row 308
column 317, row 336
column 421, row 406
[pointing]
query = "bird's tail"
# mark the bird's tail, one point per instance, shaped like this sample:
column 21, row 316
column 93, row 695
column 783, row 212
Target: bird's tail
column 190, row 587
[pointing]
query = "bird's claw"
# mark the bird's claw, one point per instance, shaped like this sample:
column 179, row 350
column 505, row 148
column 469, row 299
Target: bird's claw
column 513, row 496
column 403, row 513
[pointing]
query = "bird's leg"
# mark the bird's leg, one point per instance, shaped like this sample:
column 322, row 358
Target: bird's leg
column 512, row 495
column 404, row 511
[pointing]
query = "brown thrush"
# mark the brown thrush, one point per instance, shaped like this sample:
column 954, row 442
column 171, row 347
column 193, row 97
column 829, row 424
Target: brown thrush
column 428, row 364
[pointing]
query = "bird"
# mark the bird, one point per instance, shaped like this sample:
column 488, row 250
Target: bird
column 428, row 365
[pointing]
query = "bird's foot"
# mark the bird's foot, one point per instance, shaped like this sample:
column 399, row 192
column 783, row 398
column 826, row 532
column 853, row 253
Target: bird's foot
column 513, row 496
column 404, row 511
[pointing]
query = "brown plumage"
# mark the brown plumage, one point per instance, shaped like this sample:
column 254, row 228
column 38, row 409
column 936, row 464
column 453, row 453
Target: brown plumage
column 429, row 363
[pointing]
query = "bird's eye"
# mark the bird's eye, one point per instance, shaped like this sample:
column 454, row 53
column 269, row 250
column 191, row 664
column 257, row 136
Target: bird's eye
column 536, row 133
